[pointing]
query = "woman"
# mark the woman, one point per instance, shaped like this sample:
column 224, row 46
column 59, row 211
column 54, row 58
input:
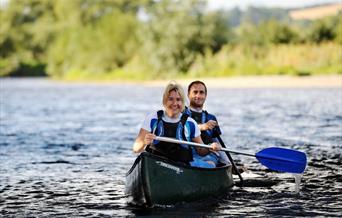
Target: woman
column 173, row 123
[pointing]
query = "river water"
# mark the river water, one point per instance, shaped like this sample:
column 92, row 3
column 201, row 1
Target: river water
column 65, row 149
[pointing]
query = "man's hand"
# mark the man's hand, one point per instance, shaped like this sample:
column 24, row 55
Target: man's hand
column 208, row 125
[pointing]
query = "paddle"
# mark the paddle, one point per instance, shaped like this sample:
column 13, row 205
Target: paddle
column 278, row 159
column 230, row 159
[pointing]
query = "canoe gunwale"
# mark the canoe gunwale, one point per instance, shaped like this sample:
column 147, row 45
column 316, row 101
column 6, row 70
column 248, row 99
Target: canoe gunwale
column 178, row 164
column 137, row 160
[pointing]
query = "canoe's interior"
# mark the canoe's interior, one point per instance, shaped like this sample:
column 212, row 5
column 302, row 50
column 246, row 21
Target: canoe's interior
column 178, row 164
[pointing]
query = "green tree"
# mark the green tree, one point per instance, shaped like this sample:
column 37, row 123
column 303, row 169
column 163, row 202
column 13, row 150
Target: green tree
column 30, row 30
column 25, row 32
column 176, row 32
column 248, row 34
column 277, row 33
column 338, row 28
column 322, row 30
column 95, row 48
column 267, row 32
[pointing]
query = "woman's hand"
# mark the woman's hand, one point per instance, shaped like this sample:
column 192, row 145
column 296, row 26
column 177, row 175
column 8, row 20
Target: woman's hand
column 149, row 137
column 140, row 142
column 215, row 146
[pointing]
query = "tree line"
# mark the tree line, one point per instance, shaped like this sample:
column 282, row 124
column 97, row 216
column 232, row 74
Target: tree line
column 147, row 39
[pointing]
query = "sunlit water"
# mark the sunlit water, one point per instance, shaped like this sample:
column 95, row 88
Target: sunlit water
column 65, row 149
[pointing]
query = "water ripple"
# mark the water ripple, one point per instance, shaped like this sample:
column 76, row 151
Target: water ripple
column 64, row 150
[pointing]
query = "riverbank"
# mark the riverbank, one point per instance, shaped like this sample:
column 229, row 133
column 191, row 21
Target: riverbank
column 326, row 81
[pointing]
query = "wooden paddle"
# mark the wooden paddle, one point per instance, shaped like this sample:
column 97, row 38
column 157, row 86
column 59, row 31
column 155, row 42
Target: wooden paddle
column 278, row 159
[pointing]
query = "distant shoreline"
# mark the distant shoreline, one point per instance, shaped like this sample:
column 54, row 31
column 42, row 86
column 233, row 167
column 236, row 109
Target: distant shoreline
column 272, row 81
column 326, row 81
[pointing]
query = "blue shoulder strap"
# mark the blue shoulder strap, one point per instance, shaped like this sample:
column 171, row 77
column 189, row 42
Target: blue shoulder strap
column 184, row 118
column 159, row 116
column 153, row 130
column 182, row 121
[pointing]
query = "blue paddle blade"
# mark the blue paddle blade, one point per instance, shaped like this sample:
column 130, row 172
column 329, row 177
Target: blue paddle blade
column 282, row 159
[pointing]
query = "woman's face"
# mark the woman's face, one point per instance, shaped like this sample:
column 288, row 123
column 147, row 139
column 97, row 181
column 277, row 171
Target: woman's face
column 173, row 105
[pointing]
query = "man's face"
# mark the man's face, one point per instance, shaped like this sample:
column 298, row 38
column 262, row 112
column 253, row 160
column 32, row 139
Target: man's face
column 197, row 95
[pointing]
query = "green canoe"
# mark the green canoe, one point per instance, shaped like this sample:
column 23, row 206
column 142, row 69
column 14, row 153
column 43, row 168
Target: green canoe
column 154, row 180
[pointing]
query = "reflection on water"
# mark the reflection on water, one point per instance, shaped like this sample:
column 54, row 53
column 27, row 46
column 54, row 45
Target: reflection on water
column 64, row 149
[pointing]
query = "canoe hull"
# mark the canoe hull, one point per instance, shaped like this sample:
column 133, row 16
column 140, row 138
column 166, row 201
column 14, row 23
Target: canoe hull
column 154, row 180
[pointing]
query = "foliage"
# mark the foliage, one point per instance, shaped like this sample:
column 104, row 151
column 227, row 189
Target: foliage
column 271, row 60
column 147, row 39
column 25, row 33
column 176, row 33
column 322, row 30
column 100, row 47
column 267, row 32
column 338, row 29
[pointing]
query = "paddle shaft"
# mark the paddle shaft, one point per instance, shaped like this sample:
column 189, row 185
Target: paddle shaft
column 171, row 140
column 231, row 159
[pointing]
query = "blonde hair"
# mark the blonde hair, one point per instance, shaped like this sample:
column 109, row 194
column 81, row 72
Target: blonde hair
column 173, row 86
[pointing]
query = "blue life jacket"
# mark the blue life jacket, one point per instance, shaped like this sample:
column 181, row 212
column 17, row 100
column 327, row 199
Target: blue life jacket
column 173, row 151
column 203, row 117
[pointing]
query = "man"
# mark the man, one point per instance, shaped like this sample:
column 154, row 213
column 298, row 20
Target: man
column 207, row 123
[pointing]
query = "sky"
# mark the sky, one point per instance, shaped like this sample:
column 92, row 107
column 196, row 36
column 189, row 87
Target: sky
column 242, row 4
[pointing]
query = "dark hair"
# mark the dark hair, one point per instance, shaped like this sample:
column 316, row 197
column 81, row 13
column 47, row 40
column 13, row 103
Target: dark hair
column 197, row 82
